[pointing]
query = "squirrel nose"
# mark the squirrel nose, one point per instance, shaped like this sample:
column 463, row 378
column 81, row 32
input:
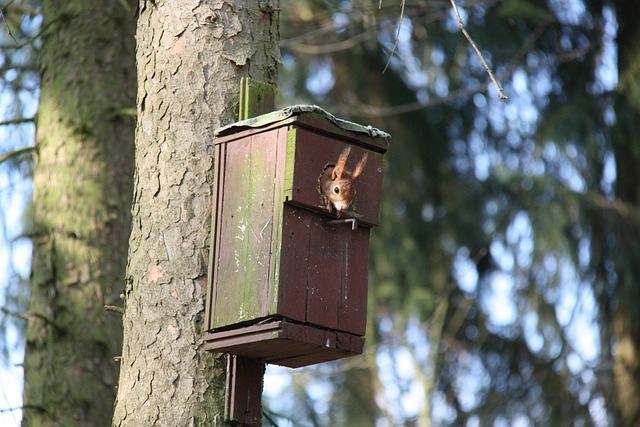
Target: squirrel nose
column 341, row 206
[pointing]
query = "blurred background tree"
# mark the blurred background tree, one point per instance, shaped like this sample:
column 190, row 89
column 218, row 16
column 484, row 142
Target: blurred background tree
column 19, row 87
column 505, row 272
column 504, row 277
column 82, row 188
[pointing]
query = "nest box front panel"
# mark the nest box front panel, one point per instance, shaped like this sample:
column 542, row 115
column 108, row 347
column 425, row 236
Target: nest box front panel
column 323, row 273
column 249, row 203
column 307, row 155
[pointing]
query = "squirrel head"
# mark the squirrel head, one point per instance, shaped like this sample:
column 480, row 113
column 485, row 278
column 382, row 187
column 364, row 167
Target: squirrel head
column 337, row 185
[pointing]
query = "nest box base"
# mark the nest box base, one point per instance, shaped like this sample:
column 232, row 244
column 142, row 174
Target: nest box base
column 284, row 343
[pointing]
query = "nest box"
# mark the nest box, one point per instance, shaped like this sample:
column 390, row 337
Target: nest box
column 287, row 275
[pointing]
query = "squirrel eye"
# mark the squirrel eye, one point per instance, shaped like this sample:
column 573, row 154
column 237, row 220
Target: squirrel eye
column 336, row 190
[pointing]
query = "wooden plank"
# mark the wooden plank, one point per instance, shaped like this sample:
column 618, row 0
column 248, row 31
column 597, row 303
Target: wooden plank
column 278, row 222
column 244, row 255
column 352, row 312
column 312, row 153
column 216, row 211
column 244, row 391
column 325, row 272
column 294, row 258
column 234, row 215
column 255, row 98
column 259, row 223
column 285, row 343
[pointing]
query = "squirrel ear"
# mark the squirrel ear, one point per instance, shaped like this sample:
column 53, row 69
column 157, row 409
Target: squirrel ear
column 339, row 169
column 337, row 173
column 360, row 167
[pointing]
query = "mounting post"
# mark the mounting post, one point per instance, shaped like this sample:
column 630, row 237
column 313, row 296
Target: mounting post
column 245, row 377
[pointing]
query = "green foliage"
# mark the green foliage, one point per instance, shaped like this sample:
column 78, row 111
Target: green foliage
column 498, row 218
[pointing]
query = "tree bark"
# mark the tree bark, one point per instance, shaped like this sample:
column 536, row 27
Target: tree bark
column 190, row 57
column 626, row 144
column 82, row 199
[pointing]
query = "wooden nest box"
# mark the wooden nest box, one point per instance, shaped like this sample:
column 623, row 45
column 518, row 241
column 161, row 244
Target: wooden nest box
column 287, row 277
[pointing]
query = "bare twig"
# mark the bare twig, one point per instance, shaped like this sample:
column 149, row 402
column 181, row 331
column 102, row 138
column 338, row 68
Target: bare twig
column 13, row 313
column 19, row 121
column 371, row 111
column 16, row 153
column 114, row 309
column 473, row 45
column 397, row 40
column 323, row 49
column 6, row 24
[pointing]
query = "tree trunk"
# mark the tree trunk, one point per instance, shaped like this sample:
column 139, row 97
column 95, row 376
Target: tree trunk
column 82, row 199
column 190, row 58
column 626, row 143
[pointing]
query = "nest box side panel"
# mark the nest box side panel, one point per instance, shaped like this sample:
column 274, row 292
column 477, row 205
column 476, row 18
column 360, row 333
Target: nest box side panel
column 312, row 152
column 214, row 250
column 246, row 230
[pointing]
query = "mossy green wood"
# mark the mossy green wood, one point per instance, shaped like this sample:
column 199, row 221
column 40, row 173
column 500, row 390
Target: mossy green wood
column 260, row 169
column 255, row 98
column 248, row 260
column 251, row 214
column 292, row 137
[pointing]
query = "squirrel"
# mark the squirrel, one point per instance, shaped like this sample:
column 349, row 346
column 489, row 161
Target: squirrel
column 337, row 185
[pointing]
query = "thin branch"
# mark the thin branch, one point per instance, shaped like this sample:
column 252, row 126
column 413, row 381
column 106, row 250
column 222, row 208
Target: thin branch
column 6, row 24
column 17, row 121
column 33, row 316
column 503, row 97
column 15, row 314
column 16, row 153
column 269, row 419
column 397, row 40
column 114, row 309
column 316, row 49
column 372, row 111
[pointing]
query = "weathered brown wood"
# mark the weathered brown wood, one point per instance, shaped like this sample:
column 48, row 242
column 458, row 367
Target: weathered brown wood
column 325, row 271
column 313, row 151
column 244, row 391
column 294, row 254
column 251, row 164
column 323, row 276
column 244, row 250
column 352, row 315
column 255, row 98
column 287, row 344
column 279, row 253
